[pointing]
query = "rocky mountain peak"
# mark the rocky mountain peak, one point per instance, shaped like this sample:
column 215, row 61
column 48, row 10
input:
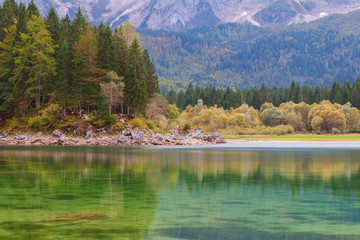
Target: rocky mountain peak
column 183, row 14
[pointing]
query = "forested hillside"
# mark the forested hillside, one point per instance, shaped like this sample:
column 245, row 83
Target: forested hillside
column 235, row 55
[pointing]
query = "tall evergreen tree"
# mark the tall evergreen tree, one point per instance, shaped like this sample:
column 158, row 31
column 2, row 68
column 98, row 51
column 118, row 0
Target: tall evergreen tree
column 292, row 93
column 107, row 54
column 78, row 27
column 152, row 83
column 263, row 95
column 136, row 97
column 65, row 29
column 297, row 97
column 35, row 59
column 7, row 15
column 33, row 9
column 355, row 93
column 22, row 18
column 6, row 66
column 190, row 98
column 53, row 25
column 63, row 88
column 121, row 49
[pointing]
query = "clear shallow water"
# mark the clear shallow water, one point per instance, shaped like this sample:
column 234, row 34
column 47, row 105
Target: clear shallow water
column 254, row 190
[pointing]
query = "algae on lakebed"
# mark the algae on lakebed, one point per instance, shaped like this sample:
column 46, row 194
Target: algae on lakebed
column 179, row 192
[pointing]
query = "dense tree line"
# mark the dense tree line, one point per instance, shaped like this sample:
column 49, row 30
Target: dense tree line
column 72, row 63
column 256, row 97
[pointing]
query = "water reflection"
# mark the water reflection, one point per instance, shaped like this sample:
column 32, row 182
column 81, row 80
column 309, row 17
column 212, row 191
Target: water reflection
column 137, row 193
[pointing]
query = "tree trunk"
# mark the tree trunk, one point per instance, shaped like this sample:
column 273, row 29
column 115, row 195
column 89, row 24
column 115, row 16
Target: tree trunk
column 37, row 99
column 110, row 109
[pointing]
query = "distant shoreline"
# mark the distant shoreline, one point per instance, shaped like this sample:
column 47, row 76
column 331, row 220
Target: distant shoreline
column 295, row 138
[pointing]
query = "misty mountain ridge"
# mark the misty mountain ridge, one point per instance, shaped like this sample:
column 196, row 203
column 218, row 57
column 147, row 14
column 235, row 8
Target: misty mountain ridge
column 185, row 14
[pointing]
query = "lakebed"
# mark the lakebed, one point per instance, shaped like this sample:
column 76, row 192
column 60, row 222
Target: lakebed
column 237, row 190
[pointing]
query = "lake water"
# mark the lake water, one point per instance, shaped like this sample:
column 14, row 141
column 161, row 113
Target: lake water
column 240, row 190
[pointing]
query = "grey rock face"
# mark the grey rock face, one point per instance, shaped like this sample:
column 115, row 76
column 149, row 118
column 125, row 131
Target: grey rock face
column 20, row 137
column 126, row 132
column 56, row 134
column 216, row 138
column 136, row 134
column 39, row 134
column 177, row 15
column 89, row 134
column 198, row 134
column 122, row 139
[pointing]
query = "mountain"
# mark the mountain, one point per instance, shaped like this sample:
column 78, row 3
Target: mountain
column 244, row 55
column 185, row 14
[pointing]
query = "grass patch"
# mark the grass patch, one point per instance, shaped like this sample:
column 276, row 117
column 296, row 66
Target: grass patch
column 297, row 137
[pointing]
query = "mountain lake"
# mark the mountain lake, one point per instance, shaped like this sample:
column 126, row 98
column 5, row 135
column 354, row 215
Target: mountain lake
column 238, row 190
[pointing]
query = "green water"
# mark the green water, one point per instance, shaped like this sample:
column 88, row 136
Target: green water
column 179, row 193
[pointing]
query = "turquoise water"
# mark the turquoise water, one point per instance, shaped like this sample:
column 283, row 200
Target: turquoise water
column 232, row 191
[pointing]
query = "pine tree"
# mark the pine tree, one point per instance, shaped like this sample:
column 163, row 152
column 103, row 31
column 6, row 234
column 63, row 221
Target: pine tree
column 107, row 54
column 152, row 83
column 171, row 97
column 35, row 60
column 53, row 25
column 78, row 27
column 297, row 97
column 88, row 74
column 7, row 15
column 292, row 92
column 136, row 97
column 121, row 49
column 22, row 18
column 355, row 93
column 190, row 98
column 33, row 9
column 6, row 66
column 63, row 75
column 263, row 95
column 65, row 29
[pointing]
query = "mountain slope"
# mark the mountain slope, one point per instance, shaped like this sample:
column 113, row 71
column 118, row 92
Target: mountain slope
column 243, row 55
column 184, row 14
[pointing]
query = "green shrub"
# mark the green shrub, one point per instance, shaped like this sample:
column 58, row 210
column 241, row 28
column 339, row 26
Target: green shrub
column 67, row 125
column 245, row 131
column 138, row 123
column 187, row 128
column 150, row 124
column 35, row 123
column 335, row 131
column 265, row 131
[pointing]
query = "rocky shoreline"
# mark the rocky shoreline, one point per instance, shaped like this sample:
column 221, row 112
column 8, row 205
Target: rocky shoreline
column 126, row 138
